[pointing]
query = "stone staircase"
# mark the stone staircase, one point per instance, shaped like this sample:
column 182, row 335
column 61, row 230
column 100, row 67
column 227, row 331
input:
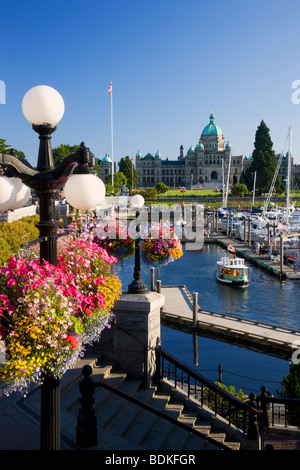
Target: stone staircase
column 123, row 425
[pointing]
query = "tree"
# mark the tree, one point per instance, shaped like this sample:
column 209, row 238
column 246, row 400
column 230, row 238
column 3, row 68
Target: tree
column 239, row 189
column 290, row 388
column 290, row 384
column 161, row 188
column 127, row 168
column 119, row 179
column 264, row 162
column 62, row 151
column 7, row 149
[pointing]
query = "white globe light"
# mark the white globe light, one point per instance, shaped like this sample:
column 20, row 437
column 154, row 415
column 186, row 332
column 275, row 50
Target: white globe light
column 42, row 104
column 137, row 201
column 7, row 193
column 84, row 192
column 22, row 193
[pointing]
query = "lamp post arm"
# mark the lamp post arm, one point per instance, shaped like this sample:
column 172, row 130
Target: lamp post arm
column 17, row 164
column 82, row 160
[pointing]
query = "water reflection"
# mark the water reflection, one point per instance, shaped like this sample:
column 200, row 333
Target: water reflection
column 267, row 299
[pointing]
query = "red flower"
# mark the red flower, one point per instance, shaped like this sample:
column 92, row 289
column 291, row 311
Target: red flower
column 73, row 341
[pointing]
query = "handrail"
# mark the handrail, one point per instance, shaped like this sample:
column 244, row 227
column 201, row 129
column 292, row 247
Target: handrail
column 161, row 414
column 205, row 381
column 244, row 416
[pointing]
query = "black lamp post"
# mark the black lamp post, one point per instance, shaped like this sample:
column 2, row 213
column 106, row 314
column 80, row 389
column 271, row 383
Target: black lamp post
column 137, row 286
column 47, row 180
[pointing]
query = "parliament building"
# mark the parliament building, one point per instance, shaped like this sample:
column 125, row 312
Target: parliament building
column 202, row 166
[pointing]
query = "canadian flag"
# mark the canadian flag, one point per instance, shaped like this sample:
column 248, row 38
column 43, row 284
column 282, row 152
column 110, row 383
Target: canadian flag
column 230, row 248
column 110, row 88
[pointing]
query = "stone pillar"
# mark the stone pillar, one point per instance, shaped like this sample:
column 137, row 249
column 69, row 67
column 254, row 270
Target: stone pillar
column 137, row 332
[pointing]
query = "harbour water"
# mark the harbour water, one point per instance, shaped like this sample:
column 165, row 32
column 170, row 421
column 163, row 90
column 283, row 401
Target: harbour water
column 266, row 299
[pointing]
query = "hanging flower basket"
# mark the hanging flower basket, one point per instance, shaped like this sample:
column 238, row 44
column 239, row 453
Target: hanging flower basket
column 161, row 247
column 115, row 239
column 49, row 313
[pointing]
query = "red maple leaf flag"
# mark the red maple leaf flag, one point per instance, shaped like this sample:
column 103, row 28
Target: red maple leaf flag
column 110, row 88
column 230, row 248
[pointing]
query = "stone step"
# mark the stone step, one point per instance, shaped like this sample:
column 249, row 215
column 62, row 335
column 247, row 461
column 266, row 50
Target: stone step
column 108, row 410
column 128, row 412
column 124, row 425
column 145, row 420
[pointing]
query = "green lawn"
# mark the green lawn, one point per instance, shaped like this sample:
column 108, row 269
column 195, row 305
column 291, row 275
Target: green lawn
column 191, row 192
column 206, row 192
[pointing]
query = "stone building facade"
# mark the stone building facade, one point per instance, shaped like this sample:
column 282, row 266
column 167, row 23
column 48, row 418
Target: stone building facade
column 202, row 166
column 105, row 167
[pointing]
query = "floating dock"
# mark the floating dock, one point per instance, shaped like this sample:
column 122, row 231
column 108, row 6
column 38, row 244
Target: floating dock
column 262, row 261
column 180, row 309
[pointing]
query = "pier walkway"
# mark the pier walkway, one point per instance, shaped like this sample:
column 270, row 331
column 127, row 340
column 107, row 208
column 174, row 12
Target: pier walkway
column 245, row 251
column 179, row 309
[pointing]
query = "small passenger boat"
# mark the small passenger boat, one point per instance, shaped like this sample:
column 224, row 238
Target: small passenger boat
column 232, row 270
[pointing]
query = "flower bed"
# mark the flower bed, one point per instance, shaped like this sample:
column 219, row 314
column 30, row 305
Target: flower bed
column 49, row 313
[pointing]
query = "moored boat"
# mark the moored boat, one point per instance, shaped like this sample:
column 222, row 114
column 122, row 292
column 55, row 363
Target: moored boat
column 232, row 270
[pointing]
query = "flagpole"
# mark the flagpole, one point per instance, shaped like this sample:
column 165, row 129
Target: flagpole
column 112, row 137
column 132, row 173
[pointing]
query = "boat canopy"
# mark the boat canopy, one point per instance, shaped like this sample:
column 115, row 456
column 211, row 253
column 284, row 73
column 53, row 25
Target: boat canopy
column 232, row 262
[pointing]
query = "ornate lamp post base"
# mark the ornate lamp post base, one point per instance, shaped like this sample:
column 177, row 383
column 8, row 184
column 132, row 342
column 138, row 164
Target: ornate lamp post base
column 137, row 287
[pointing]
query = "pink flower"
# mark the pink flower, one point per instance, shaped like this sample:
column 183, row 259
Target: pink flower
column 11, row 282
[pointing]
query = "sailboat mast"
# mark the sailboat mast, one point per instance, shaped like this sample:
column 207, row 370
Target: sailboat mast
column 223, row 185
column 288, row 177
column 254, row 183
column 228, row 176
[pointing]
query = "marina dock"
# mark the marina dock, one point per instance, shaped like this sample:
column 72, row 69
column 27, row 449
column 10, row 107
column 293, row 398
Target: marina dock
column 263, row 261
column 180, row 309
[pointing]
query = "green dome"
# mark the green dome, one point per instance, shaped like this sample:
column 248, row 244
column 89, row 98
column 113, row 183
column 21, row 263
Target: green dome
column 107, row 158
column 138, row 154
column 157, row 154
column 212, row 128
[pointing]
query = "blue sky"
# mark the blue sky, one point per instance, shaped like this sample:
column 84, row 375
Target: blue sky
column 170, row 62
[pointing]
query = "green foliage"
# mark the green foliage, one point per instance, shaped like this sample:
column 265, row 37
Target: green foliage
column 119, row 179
column 62, row 151
column 7, row 149
column 14, row 234
column 231, row 389
column 239, row 189
column 290, row 388
column 161, row 188
column 290, row 384
column 264, row 162
column 149, row 194
column 127, row 168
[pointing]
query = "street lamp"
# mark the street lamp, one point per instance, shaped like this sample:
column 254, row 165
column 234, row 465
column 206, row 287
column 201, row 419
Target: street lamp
column 137, row 286
column 43, row 107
